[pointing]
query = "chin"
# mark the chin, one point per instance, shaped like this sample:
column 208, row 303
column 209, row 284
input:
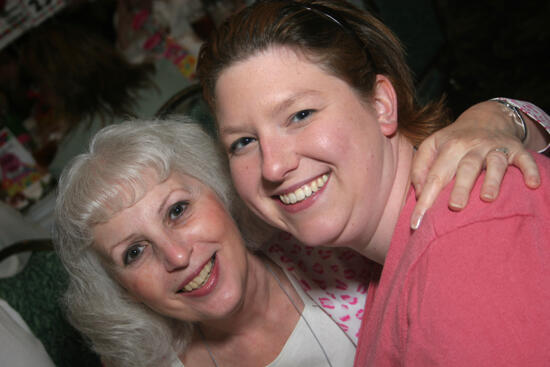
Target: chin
column 312, row 236
column 230, row 301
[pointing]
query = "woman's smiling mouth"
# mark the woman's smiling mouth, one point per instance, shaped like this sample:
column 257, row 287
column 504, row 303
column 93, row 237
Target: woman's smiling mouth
column 203, row 276
column 304, row 192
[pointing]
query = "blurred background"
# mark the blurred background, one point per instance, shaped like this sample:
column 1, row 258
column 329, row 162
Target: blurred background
column 69, row 67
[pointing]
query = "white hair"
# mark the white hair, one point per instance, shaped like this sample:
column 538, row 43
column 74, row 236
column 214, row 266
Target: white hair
column 91, row 190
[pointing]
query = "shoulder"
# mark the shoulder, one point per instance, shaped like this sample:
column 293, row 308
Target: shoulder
column 484, row 238
column 479, row 269
column 514, row 199
column 518, row 216
column 462, row 273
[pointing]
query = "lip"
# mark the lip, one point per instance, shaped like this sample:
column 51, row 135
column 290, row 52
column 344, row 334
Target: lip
column 304, row 204
column 208, row 286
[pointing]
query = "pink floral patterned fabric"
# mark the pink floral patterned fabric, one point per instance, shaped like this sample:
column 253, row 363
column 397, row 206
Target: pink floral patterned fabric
column 335, row 278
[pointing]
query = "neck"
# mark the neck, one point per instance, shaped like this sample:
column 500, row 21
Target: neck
column 377, row 246
column 263, row 298
column 253, row 306
column 261, row 325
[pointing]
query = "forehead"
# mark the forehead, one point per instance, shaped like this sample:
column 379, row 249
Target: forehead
column 175, row 181
column 152, row 198
column 124, row 192
column 271, row 77
column 131, row 192
column 273, row 63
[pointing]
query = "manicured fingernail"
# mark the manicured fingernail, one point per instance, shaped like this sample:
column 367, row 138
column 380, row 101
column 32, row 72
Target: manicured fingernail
column 488, row 196
column 456, row 205
column 416, row 220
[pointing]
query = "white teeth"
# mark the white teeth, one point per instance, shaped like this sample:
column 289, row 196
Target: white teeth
column 200, row 279
column 314, row 187
column 304, row 192
column 321, row 182
column 292, row 197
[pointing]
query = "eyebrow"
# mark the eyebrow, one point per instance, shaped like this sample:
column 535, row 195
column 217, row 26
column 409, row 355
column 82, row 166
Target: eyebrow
column 287, row 102
column 278, row 108
column 113, row 246
column 131, row 236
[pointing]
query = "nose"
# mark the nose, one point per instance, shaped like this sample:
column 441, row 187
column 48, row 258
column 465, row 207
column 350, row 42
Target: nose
column 175, row 253
column 278, row 158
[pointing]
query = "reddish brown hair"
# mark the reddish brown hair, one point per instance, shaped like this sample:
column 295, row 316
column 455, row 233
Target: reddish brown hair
column 342, row 39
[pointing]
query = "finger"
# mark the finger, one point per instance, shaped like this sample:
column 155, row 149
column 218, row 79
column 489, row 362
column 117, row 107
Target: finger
column 423, row 160
column 431, row 190
column 439, row 175
column 466, row 175
column 497, row 164
column 526, row 163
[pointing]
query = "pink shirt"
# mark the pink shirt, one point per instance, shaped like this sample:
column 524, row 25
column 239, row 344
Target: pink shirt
column 337, row 279
column 468, row 288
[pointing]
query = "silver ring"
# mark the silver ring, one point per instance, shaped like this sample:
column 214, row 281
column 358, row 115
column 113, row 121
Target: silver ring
column 503, row 150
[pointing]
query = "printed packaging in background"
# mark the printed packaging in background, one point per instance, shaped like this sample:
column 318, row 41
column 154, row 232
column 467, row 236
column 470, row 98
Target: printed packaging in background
column 22, row 180
column 18, row 16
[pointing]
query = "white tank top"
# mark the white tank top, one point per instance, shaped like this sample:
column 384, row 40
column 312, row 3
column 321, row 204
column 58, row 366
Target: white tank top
column 301, row 348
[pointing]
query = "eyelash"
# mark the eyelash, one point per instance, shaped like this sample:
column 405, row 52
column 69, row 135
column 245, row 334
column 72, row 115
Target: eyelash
column 299, row 116
column 179, row 204
column 235, row 148
column 241, row 143
column 127, row 258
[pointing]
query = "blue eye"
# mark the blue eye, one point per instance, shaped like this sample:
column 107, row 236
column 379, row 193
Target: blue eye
column 133, row 253
column 240, row 144
column 177, row 210
column 301, row 115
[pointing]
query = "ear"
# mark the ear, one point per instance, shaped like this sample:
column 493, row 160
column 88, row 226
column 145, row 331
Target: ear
column 385, row 105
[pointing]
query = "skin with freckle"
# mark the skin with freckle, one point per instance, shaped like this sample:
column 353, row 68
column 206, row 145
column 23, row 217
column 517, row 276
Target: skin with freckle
column 335, row 137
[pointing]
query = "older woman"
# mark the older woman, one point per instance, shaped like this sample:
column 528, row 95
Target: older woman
column 159, row 272
column 317, row 114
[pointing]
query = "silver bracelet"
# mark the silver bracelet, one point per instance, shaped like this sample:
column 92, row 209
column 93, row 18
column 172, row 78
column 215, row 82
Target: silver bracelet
column 516, row 116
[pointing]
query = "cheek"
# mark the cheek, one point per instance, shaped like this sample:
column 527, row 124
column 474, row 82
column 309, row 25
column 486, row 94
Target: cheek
column 245, row 176
column 334, row 144
column 358, row 138
column 218, row 226
column 140, row 288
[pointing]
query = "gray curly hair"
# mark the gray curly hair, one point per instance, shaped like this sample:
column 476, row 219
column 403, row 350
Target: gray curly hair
column 91, row 190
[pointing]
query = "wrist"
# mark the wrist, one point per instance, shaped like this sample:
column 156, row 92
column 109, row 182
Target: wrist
column 538, row 139
column 516, row 117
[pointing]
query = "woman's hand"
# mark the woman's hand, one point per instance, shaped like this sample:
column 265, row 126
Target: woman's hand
column 483, row 136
